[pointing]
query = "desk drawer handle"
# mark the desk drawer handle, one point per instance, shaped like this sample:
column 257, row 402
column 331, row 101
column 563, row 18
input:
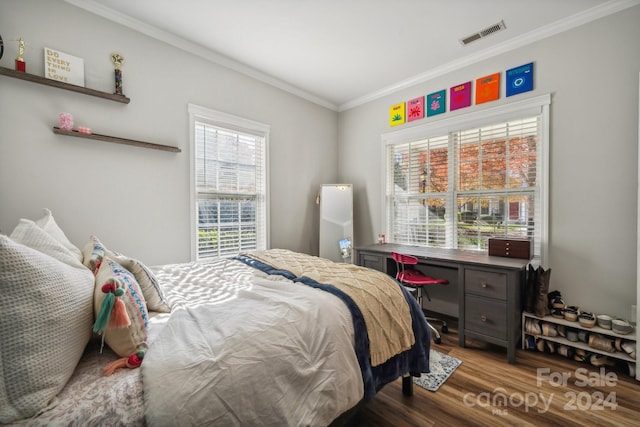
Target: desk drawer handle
column 483, row 318
column 484, row 285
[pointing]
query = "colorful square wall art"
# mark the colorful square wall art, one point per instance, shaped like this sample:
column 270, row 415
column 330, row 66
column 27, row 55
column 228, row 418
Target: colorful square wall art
column 519, row 79
column 488, row 88
column 436, row 103
column 460, row 96
column 396, row 114
column 415, row 109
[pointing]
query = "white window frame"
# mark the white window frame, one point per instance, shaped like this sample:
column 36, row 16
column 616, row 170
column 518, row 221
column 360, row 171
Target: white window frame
column 224, row 120
column 535, row 106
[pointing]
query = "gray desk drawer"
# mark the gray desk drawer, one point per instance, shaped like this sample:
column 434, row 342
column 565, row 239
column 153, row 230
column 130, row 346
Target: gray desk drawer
column 485, row 283
column 486, row 317
column 373, row 261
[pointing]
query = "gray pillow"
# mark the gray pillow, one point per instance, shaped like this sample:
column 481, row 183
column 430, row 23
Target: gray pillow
column 46, row 314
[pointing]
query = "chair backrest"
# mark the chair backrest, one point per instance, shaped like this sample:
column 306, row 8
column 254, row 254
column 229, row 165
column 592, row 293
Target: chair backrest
column 413, row 277
column 401, row 260
column 404, row 259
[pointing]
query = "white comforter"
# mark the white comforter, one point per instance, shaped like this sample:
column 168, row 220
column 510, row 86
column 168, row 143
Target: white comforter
column 249, row 349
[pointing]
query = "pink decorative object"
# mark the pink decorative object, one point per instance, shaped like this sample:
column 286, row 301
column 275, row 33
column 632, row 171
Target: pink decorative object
column 66, row 121
column 84, row 130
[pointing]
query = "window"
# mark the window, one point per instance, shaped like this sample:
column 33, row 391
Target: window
column 456, row 182
column 229, row 188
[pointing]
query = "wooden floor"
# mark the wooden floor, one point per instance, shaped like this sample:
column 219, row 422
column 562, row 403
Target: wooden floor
column 486, row 391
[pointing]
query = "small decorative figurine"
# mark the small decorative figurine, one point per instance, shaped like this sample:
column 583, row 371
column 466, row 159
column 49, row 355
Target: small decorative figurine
column 118, row 60
column 20, row 64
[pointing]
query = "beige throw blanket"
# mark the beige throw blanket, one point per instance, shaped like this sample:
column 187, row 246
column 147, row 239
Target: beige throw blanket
column 388, row 324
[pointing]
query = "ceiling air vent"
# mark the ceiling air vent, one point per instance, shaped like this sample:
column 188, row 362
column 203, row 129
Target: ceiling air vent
column 484, row 33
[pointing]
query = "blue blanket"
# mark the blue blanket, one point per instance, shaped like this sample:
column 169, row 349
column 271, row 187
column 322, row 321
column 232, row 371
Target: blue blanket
column 413, row 361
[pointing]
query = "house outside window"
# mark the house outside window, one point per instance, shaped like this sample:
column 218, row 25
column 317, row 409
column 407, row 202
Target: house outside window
column 456, row 182
column 229, row 184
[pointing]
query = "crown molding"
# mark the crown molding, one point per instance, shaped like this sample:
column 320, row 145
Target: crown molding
column 196, row 49
column 597, row 12
column 549, row 30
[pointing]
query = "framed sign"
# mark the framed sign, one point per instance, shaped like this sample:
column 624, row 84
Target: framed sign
column 63, row 67
column 520, row 79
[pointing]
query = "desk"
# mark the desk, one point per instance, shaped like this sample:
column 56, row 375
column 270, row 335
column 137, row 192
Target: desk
column 489, row 289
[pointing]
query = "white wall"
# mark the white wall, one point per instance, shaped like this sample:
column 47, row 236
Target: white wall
column 136, row 200
column 592, row 75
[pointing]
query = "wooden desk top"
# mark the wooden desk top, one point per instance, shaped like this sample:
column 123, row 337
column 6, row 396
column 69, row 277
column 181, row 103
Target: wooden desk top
column 453, row 255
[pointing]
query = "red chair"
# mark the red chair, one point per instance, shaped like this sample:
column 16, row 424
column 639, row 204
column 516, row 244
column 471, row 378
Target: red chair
column 418, row 281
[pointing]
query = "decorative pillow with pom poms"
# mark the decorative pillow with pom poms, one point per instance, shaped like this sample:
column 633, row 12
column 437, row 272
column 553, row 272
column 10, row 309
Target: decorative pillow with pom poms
column 121, row 314
column 93, row 253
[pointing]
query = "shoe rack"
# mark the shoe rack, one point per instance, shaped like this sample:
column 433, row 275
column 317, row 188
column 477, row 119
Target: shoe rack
column 570, row 325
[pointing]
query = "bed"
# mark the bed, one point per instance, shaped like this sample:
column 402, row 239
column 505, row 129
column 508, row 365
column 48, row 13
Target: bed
column 92, row 337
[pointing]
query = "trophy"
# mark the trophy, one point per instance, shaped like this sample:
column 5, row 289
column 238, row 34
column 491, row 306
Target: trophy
column 117, row 60
column 20, row 64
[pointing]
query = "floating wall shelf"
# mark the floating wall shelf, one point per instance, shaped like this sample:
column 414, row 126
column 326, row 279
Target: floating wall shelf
column 62, row 85
column 116, row 140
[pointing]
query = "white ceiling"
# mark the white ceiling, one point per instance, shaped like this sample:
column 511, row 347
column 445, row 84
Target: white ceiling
column 342, row 53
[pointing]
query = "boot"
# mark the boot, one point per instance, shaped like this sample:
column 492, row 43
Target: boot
column 542, row 290
column 530, row 290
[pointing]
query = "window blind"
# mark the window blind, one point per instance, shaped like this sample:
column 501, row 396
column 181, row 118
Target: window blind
column 230, row 190
column 495, row 181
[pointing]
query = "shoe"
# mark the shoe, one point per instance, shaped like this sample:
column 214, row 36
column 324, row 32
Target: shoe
column 557, row 313
column 565, row 350
column 618, row 344
column 580, row 355
column 555, row 300
column 583, row 336
column 621, row 326
column 562, row 331
column 628, row 368
column 601, row 342
column 540, row 344
column 587, row 320
column 629, row 347
column 541, row 306
column 531, row 326
column 530, row 290
column 571, row 313
column 601, row 360
column 549, row 329
column 551, row 347
column 530, row 343
column 572, row 335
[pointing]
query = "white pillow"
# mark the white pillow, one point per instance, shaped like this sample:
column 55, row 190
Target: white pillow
column 153, row 293
column 30, row 234
column 46, row 314
column 48, row 224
